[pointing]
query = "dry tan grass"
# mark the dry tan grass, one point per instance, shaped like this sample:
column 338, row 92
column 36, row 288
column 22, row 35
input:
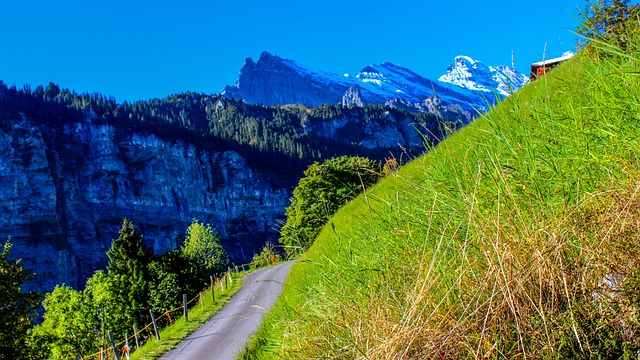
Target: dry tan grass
column 537, row 288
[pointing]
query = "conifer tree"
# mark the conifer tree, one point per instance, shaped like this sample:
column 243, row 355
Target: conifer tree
column 17, row 308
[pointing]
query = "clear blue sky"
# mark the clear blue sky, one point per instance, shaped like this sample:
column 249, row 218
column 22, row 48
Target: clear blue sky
column 134, row 49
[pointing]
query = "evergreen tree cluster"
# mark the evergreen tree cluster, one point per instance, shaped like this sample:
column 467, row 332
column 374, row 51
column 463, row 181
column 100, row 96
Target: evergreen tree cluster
column 271, row 138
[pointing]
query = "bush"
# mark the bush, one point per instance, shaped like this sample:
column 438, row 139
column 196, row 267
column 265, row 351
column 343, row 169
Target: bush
column 321, row 192
column 608, row 21
column 268, row 256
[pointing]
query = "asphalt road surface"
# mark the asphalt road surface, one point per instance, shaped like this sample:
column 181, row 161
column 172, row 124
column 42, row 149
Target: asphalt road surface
column 227, row 333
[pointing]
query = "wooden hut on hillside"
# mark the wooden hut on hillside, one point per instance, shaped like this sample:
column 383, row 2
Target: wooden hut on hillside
column 540, row 68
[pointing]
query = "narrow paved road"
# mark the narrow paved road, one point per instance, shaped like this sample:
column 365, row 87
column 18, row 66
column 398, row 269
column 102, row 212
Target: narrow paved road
column 227, row 333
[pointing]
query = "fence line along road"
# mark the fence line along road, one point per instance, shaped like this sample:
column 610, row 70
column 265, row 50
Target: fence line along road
column 227, row 333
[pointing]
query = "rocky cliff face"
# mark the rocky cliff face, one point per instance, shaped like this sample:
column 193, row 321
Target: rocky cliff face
column 65, row 189
column 385, row 132
column 276, row 81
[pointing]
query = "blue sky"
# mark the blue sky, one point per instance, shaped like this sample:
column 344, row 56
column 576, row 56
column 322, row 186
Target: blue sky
column 134, row 49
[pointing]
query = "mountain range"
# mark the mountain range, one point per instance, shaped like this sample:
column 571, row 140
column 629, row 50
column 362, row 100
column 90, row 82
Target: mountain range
column 467, row 89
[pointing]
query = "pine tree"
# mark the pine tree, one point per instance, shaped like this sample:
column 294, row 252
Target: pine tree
column 17, row 308
column 129, row 276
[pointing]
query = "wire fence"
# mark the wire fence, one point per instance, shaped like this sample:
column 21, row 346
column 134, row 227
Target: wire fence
column 111, row 349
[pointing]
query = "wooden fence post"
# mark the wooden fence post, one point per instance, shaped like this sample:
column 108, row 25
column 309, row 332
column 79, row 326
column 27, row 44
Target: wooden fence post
column 155, row 326
column 201, row 302
column 126, row 344
column 213, row 285
column 113, row 345
column 135, row 333
column 184, row 305
column 169, row 317
column 222, row 284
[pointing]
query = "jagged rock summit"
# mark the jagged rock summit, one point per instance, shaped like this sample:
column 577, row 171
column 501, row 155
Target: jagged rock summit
column 473, row 75
column 460, row 94
column 273, row 80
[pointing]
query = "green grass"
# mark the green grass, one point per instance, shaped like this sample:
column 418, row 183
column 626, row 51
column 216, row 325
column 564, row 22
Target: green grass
column 171, row 336
column 494, row 244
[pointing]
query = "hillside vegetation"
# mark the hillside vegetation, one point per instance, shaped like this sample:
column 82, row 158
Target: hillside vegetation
column 517, row 237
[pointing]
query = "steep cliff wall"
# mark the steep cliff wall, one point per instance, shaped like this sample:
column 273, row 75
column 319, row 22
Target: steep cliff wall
column 72, row 166
column 65, row 189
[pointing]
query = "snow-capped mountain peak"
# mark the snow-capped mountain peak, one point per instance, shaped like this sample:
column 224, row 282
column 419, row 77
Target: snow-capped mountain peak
column 473, row 75
column 369, row 74
column 465, row 60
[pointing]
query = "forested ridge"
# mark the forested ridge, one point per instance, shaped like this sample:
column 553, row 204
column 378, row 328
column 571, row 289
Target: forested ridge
column 273, row 138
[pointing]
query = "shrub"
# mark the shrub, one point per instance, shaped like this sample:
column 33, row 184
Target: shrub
column 321, row 192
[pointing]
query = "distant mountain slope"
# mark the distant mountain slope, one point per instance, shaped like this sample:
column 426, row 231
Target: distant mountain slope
column 459, row 94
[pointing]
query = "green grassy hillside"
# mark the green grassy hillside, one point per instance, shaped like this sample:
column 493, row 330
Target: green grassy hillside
column 516, row 237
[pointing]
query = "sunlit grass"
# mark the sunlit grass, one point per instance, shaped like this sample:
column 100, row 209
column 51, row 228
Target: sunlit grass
column 495, row 244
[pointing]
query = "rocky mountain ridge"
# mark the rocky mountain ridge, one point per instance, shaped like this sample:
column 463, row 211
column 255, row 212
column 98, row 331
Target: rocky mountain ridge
column 471, row 74
column 458, row 95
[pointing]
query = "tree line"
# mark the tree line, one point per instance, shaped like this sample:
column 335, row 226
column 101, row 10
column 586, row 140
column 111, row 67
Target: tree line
column 271, row 138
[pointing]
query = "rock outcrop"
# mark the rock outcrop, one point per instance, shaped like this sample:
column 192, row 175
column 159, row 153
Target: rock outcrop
column 387, row 132
column 276, row 81
column 352, row 97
